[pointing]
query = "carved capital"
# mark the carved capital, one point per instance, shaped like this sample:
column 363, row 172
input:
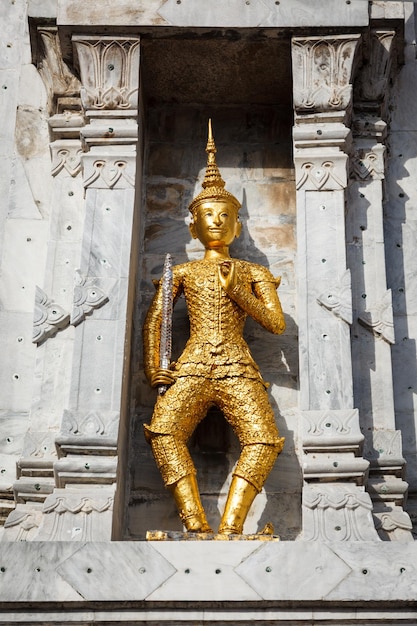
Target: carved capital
column 379, row 320
column 87, row 298
column 109, row 68
column 48, row 317
column 371, row 85
column 63, row 88
column 338, row 298
column 322, row 72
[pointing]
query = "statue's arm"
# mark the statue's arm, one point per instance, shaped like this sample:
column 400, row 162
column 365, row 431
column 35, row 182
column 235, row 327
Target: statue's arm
column 261, row 302
column 152, row 337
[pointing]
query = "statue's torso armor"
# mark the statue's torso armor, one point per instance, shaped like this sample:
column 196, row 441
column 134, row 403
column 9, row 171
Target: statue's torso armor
column 216, row 347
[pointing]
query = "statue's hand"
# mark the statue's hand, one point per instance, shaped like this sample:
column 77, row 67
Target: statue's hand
column 161, row 376
column 227, row 275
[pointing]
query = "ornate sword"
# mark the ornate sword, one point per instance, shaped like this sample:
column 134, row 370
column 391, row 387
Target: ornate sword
column 165, row 346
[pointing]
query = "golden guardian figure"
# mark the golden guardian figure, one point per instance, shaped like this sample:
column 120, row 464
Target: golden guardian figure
column 216, row 366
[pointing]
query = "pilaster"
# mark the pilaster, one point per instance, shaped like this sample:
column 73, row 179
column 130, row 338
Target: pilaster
column 93, row 159
column 335, row 504
column 373, row 326
column 52, row 332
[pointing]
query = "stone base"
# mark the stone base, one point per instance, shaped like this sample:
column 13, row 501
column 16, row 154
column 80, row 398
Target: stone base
column 175, row 535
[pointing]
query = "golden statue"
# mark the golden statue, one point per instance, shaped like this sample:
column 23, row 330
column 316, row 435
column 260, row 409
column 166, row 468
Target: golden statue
column 216, row 367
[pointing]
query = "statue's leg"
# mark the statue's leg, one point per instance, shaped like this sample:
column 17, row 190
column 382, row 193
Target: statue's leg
column 175, row 418
column 246, row 406
column 179, row 475
column 254, row 465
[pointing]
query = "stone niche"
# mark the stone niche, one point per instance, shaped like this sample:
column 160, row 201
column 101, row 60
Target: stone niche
column 243, row 82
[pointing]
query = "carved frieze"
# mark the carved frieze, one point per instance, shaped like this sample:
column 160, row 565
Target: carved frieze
column 87, row 298
column 322, row 72
column 48, row 317
column 334, row 512
column 74, row 515
column 338, row 298
column 379, row 320
column 109, row 68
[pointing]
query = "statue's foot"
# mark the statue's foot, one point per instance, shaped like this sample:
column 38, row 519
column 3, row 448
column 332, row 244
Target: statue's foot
column 225, row 529
column 197, row 524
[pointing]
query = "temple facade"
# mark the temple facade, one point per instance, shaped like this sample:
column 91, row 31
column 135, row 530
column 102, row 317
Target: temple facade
column 105, row 108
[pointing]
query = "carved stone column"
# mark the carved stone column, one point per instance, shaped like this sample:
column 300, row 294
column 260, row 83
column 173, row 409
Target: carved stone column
column 373, row 328
column 52, row 333
column 80, row 507
column 335, row 504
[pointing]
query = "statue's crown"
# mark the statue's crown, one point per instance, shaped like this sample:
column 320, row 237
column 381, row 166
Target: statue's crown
column 213, row 184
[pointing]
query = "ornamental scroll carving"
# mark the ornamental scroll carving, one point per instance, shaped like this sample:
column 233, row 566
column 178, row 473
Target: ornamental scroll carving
column 322, row 70
column 87, row 298
column 48, row 317
column 379, row 320
column 109, row 69
column 338, row 299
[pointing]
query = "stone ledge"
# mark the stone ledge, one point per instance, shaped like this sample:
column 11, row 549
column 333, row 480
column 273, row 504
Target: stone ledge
column 162, row 574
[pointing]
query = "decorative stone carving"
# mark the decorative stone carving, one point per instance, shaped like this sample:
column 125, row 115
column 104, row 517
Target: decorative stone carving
column 94, row 432
column 394, row 525
column 72, row 515
column 371, row 85
column 109, row 173
column 380, row 320
column 87, row 298
column 62, row 86
column 22, row 523
column 324, row 430
column 386, row 486
column 48, row 317
column 338, row 298
column 322, row 70
column 337, row 513
column 66, row 155
column 109, row 68
column 368, row 163
column 322, row 174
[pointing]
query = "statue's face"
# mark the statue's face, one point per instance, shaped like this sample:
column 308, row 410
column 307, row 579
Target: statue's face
column 216, row 224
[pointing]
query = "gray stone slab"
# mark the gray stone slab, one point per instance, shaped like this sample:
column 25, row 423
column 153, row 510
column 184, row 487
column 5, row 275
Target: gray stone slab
column 205, row 570
column 136, row 570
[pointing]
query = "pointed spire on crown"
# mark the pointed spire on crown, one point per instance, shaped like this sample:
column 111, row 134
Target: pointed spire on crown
column 213, row 184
